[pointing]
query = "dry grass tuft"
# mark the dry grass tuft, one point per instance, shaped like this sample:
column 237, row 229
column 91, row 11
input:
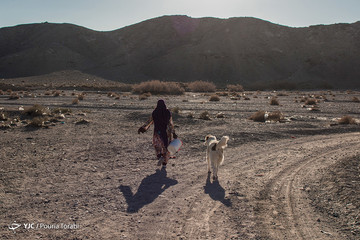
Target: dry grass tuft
column 158, row 87
column 205, row 115
column 347, row 120
column 235, row 88
column 75, row 101
column 274, row 101
column 56, row 93
column 37, row 122
column 275, row 116
column 259, row 116
column 14, row 96
column 81, row 96
column 202, row 86
column 355, row 99
column 144, row 96
column 37, row 111
column 62, row 110
column 310, row 101
column 214, row 98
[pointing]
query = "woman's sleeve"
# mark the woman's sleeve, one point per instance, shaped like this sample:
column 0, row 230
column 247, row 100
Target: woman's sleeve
column 148, row 123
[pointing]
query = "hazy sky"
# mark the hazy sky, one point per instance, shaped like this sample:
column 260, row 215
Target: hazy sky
column 107, row 15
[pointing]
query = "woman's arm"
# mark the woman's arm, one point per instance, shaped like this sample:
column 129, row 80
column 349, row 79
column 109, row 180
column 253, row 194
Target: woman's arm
column 146, row 126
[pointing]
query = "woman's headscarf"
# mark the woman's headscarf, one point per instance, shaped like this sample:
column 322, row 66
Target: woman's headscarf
column 161, row 116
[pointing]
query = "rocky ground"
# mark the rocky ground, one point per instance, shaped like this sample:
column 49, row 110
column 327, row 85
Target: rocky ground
column 83, row 172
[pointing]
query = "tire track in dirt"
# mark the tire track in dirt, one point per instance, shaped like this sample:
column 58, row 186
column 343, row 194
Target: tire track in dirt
column 287, row 213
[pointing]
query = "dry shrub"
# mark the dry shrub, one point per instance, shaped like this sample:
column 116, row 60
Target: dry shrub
column 355, row 99
column 276, row 116
column 204, row 115
column 37, row 122
column 259, row 116
column 310, row 101
column 202, row 86
column 37, row 111
column 14, row 96
column 246, row 98
column 144, row 96
column 235, row 88
column 62, row 110
column 281, row 94
column 223, row 94
column 214, row 98
column 75, row 101
column 274, row 101
column 347, row 120
column 158, row 87
column 81, row 96
column 304, row 99
column 56, row 93
column 47, row 93
column 3, row 116
column 1, row 92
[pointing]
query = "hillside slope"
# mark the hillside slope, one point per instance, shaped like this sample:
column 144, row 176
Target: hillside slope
column 179, row 48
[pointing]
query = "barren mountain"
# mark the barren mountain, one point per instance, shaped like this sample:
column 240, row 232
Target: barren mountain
column 178, row 48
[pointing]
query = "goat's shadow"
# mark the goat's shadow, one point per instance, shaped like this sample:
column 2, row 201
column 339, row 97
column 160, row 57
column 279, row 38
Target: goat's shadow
column 150, row 188
column 216, row 191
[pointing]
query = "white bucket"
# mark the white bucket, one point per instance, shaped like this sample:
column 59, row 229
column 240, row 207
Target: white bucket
column 174, row 146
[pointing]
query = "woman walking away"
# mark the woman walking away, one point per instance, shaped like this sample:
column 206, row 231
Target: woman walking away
column 163, row 131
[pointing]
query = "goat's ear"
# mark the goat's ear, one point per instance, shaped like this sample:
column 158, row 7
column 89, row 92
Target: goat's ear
column 206, row 138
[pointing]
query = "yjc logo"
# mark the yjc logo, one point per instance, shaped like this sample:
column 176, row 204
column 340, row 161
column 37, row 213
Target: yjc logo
column 14, row 226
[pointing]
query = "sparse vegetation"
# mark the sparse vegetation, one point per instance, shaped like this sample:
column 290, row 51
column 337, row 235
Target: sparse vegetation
column 259, row 116
column 214, row 98
column 56, row 93
column 275, row 116
column 37, row 111
column 158, row 87
column 81, row 96
column 310, row 101
column 355, row 99
column 75, row 101
column 235, row 88
column 205, row 115
column 347, row 120
column 14, row 96
column 202, row 86
column 37, row 122
column 62, row 110
column 144, row 96
column 274, row 101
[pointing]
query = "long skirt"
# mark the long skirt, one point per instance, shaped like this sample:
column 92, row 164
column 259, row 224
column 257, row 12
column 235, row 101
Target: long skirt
column 160, row 148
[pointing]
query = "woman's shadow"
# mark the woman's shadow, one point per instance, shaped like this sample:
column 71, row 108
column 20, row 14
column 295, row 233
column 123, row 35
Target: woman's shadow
column 150, row 188
column 216, row 191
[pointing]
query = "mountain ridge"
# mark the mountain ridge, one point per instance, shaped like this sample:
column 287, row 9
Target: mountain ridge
column 179, row 48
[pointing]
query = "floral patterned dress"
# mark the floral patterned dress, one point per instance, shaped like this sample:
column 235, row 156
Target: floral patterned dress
column 159, row 145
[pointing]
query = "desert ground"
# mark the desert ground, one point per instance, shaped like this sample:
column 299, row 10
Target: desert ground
column 88, row 174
